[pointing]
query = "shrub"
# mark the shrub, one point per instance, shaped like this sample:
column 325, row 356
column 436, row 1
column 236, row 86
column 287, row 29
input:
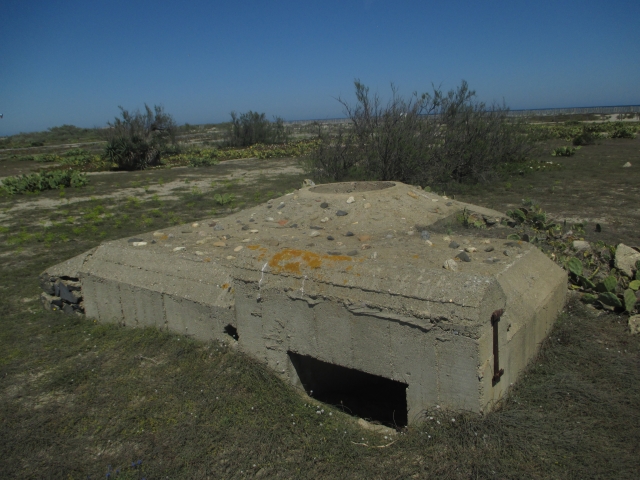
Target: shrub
column 564, row 152
column 428, row 139
column 335, row 158
column 138, row 140
column 37, row 182
column 47, row 158
column 251, row 128
column 624, row 132
column 586, row 137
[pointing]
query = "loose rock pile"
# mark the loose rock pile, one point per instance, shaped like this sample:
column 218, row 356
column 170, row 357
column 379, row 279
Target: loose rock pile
column 61, row 294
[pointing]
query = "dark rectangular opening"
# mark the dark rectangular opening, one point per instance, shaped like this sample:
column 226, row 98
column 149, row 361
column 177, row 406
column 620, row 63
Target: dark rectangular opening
column 231, row 331
column 357, row 393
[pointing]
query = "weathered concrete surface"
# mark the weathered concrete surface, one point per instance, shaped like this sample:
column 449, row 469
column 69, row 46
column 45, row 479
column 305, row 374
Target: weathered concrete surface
column 344, row 273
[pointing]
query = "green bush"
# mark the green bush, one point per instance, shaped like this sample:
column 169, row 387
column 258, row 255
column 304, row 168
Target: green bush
column 432, row 138
column 623, row 131
column 586, row 137
column 75, row 152
column 564, row 152
column 23, row 158
column 252, row 128
column 37, row 182
column 48, row 158
column 138, row 140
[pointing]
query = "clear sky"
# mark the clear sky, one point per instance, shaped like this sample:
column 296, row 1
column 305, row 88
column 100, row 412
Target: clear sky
column 75, row 62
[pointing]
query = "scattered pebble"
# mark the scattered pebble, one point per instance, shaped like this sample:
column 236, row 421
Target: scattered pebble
column 429, row 242
column 179, row 249
column 348, row 234
column 454, row 245
column 489, row 249
column 195, row 225
column 364, row 238
column 238, row 248
column 138, row 244
column 324, row 205
column 351, row 200
column 254, row 231
column 314, row 233
column 219, row 244
column 230, row 257
column 329, row 237
column 199, row 253
column 464, row 256
column 218, row 227
column 325, row 220
column 471, row 249
column 451, row 265
column 341, row 213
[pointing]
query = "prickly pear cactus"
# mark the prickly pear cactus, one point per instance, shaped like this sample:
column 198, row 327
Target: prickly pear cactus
column 629, row 300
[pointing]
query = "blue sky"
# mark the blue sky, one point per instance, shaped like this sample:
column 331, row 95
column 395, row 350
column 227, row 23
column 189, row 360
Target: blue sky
column 75, row 62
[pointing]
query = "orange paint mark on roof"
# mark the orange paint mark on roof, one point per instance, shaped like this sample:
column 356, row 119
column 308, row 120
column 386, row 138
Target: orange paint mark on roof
column 293, row 260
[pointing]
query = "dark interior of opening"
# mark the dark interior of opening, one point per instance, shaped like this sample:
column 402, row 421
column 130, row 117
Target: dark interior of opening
column 357, row 393
column 231, row 331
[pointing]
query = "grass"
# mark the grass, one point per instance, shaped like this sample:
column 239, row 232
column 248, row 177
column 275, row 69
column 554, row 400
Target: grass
column 77, row 397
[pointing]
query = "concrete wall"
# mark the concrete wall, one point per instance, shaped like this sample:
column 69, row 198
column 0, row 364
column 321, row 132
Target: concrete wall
column 439, row 366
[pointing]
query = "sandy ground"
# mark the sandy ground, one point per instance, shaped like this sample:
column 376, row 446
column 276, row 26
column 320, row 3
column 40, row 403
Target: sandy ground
column 247, row 171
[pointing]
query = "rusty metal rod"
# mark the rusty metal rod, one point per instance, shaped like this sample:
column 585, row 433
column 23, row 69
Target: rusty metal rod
column 497, row 371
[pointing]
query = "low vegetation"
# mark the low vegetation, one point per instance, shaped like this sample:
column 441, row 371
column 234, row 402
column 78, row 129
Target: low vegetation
column 38, row 182
column 591, row 268
column 53, row 136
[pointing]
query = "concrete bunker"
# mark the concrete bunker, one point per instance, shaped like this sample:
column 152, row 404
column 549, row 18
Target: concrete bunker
column 344, row 278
